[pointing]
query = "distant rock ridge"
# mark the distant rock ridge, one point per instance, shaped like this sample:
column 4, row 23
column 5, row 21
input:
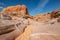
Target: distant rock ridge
column 47, row 16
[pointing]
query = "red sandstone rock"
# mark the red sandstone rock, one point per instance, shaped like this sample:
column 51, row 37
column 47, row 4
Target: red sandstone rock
column 18, row 10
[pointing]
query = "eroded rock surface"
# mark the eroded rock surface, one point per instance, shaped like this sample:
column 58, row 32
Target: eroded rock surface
column 17, row 24
column 42, row 28
column 15, row 10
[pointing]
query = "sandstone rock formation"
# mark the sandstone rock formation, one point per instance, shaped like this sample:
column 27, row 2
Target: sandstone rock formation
column 47, row 30
column 42, row 17
column 12, row 22
column 55, row 14
column 41, row 31
column 10, row 29
column 15, row 10
column 47, row 16
column 17, row 24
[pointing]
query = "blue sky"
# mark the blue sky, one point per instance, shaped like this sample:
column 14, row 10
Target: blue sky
column 34, row 6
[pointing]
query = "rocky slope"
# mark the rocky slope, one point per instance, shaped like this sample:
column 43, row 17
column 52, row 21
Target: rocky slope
column 17, row 24
column 43, row 27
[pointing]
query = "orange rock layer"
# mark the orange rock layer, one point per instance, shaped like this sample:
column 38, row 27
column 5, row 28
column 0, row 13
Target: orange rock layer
column 19, row 10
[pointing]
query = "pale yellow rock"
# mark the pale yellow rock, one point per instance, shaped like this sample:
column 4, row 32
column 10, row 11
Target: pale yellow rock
column 26, row 34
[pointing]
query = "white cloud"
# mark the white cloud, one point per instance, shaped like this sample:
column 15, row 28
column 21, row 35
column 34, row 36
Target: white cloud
column 1, row 7
column 40, row 6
